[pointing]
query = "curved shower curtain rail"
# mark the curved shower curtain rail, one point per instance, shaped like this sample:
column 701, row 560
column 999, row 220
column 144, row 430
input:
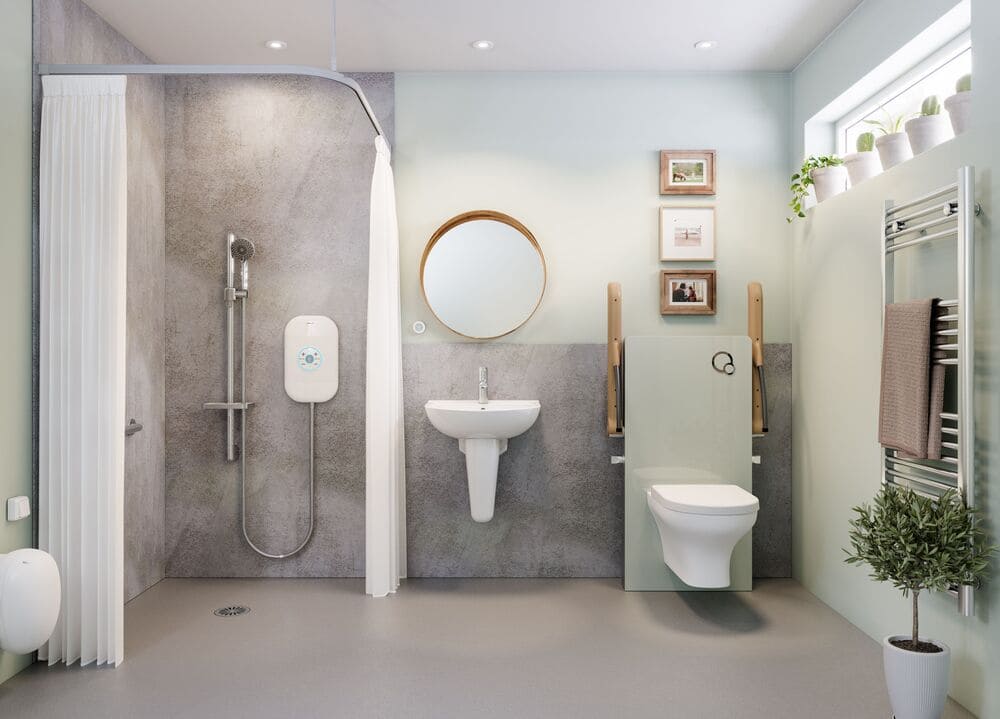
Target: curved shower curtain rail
column 300, row 70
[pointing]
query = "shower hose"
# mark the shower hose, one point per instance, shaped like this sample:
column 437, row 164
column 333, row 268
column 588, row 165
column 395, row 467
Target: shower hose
column 243, row 454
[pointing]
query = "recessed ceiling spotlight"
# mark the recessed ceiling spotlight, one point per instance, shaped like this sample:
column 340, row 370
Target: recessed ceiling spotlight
column 482, row 45
column 276, row 44
column 706, row 45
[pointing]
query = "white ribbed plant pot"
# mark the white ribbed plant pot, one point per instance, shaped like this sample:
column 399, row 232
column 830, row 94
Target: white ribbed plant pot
column 927, row 131
column 959, row 107
column 828, row 181
column 917, row 682
column 862, row 165
column 893, row 149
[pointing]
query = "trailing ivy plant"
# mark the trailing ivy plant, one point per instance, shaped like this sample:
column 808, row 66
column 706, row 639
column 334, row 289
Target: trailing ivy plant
column 918, row 543
column 802, row 181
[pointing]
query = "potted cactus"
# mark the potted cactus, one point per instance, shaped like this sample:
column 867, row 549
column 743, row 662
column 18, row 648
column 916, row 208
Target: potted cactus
column 892, row 145
column 959, row 105
column 825, row 173
column 918, row 543
column 864, row 163
column 930, row 128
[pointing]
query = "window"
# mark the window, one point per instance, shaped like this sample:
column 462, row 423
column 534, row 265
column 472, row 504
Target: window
column 936, row 75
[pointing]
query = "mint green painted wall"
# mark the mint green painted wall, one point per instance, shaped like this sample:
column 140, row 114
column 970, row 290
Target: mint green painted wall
column 575, row 157
column 835, row 457
column 986, row 59
column 836, row 333
column 15, row 278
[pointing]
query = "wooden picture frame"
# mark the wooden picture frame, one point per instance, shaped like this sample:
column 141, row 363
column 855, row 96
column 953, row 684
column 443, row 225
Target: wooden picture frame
column 687, row 172
column 698, row 287
column 687, row 233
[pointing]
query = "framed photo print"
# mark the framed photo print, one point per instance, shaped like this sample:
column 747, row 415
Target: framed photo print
column 687, row 292
column 687, row 233
column 687, row 172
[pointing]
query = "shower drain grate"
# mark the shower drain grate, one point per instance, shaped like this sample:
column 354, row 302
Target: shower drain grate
column 234, row 611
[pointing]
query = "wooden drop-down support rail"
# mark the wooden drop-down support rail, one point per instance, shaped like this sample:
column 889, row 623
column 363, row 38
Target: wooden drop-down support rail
column 755, row 330
column 616, row 369
column 616, row 364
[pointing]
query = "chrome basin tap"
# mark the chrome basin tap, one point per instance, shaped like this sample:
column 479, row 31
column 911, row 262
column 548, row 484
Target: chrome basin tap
column 484, row 385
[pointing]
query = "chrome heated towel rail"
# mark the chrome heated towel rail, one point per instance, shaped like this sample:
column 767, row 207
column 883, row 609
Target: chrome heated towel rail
column 947, row 214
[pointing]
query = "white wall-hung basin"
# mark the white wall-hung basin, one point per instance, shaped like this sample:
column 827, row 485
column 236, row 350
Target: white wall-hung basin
column 482, row 431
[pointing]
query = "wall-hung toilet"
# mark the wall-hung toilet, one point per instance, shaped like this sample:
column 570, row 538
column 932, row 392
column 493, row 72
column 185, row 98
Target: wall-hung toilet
column 29, row 599
column 699, row 526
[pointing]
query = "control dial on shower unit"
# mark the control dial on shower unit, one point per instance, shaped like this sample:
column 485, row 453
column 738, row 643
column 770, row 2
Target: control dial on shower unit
column 311, row 358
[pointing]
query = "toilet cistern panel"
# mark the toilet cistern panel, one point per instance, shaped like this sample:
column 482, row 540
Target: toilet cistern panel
column 688, row 422
column 312, row 358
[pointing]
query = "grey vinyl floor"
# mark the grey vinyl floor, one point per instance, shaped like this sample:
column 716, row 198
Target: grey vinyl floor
column 470, row 648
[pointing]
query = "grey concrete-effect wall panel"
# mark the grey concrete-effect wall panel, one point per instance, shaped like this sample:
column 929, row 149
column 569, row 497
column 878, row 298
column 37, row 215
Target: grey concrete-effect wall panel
column 67, row 31
column 559, row 505
column 559, row 499
column 287, row 162
column 772, row 478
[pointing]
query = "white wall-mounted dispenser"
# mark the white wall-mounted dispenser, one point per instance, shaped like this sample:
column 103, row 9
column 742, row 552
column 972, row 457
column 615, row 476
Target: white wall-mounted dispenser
column 312, row 358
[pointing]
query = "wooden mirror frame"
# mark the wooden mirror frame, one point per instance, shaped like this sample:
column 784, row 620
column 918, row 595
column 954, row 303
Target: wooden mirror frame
column 472, row 216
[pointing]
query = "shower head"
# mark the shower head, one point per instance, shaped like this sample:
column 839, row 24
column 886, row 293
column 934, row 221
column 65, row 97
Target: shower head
column 241, row 249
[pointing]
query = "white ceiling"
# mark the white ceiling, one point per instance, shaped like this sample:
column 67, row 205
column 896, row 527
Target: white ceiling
column 415, row 35
column 224, row 32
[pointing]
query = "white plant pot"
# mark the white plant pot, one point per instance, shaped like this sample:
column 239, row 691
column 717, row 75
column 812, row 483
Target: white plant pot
column 959, row 107
column 829, row 181
column 862, row 165
column 917, row 682
column 927, row 131
column 893, row 149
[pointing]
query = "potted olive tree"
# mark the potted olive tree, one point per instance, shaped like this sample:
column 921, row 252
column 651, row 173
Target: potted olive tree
column 825, row 173
column 918, row 543
column 893, row 146
column 864, row 163
column 930, row 128
column 959, row 105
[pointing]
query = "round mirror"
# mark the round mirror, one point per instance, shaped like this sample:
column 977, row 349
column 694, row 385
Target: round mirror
column 483, row 274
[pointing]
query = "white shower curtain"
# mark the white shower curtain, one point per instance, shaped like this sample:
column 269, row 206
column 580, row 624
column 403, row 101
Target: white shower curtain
column 385, row 488
column 82, row 243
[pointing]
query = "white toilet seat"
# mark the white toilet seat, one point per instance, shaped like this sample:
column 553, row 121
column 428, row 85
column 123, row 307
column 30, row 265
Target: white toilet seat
column 714, row 499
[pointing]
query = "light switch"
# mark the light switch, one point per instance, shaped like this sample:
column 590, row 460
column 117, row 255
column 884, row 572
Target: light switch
column 18, row 508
